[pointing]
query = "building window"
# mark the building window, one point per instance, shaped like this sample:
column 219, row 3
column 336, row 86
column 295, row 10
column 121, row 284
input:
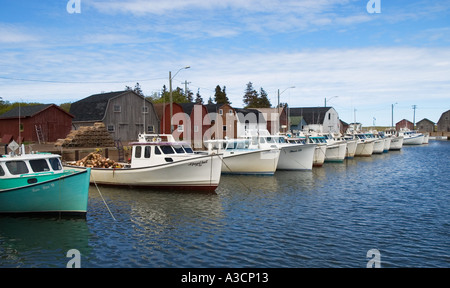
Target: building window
column 117, row 108
column 111, row 128
column 220, row 111
column 224, row 127
column 230, row 112
column 145, row 110
column 150, row 129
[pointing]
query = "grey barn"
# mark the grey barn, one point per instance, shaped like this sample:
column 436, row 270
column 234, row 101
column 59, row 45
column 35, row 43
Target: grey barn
column 122, row 112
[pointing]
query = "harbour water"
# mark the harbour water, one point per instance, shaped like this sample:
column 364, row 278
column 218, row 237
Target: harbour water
column 397, row 203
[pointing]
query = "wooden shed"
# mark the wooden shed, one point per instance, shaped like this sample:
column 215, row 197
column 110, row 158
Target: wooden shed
column 37, row 123
column 425, row 125
column 443, row 124
column 124, row 113
column 404, row 124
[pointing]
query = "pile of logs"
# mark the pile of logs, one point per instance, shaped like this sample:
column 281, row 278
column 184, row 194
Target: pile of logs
column 96, row 160
column 88, row 136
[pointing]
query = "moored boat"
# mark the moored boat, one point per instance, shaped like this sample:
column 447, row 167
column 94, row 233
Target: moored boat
column 38, row 183
column 293, row 156
column 319, row 151
column 158, row 161
column 364, row 146
column 239, row 158
column 411, row 137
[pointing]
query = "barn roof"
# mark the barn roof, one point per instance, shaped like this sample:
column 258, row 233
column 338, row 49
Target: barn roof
column 93, row 108
column 28, row 111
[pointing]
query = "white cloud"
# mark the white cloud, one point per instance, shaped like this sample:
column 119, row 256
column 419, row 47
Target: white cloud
column 10, row 34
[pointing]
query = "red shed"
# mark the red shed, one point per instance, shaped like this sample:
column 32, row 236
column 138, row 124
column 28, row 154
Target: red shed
column 38, row 123
column 404, row 124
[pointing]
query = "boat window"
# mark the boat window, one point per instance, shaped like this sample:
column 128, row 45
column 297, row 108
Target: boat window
column 147, row 151
column 17, row 167
column 138, row 152
column 166, row 149
column 178, row 149
column 2, row 172
column 39, row 165
column 187, row 148
column 262, row 140
column 157, row 151
column 55, row 163
column 270, row 140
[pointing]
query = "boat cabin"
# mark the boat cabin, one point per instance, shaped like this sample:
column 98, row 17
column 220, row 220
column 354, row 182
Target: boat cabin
column 156, row 149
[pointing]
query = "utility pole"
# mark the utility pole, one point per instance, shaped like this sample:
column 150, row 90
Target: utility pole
column 185, row 87
column 414, row 117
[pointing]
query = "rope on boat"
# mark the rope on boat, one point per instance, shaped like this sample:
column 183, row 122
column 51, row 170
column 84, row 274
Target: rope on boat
column 103, row 198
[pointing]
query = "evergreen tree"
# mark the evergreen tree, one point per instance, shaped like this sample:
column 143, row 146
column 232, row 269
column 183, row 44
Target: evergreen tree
column 220, row 96
column 198, row 98
column 250, row 97
column 210, row 101
column 263, row 100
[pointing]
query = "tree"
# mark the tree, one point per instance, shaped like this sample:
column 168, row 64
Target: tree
column 254, row 100
column 177, row 96
column 250, row 96
column 198, row 98
column 263, row 101
column 220, row 96
column 137, row 89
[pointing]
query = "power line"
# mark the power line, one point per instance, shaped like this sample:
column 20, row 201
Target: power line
column 77, row 82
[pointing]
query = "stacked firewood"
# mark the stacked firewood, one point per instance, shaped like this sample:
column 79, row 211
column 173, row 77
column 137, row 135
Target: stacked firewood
column 96, row 160
column 88, row 136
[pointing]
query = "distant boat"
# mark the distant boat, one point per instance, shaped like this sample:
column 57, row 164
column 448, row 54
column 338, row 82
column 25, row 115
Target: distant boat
column 158, row 161
column 336, row 148
column 396, row 141
column 293, row 156
column 426, row 137
column 378, row 145
column 411, row 137
column 239, row 158
column 364, row 146
column 38, row 183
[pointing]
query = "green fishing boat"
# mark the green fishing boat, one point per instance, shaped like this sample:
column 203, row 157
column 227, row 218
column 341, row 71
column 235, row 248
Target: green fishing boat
column 38, row 183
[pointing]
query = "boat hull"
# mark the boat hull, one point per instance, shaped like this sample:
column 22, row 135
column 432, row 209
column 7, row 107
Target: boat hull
column 68, row 193
column 319, row 155
column 396, row 143
column 413, row 140
column 199, row 173
column 364, row 149
column 336, row 152
column 257, row 162
column 296, row 157
column 387, row 144
column 378, row 146
column 351, row 148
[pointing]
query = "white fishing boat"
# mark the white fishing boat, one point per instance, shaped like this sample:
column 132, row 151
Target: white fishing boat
column 396, row 141
column 336, row 149
column 378, row 145
column 158, row 161
column 293, row 156
column 319, row 151
column 351, row 146
column 239, row 158
column 411, row 137
column 364, row 146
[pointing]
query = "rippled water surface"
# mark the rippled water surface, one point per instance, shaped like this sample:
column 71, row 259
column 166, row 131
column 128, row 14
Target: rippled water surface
column 397, row 203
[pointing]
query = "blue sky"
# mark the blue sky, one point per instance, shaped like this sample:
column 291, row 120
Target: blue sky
column 325, row 48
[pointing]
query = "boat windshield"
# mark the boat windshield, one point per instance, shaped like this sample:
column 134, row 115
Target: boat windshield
column 178, row 149
column 187, row 148
column 167, row 149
